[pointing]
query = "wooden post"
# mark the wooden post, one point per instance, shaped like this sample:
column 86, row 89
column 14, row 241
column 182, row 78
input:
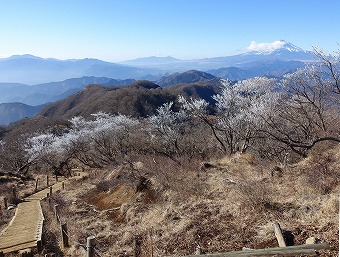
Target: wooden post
column 135, row 252
column 63, row 185
column 150, row 243
column 56, row 178
column 39, row 246
column 91, row 240
column 49, row 201
column 64, row 235
column 47, row 182
column 137, row 246
column 5, row 203
column 50, row 190
column 36, row 185
column 14, row 192
column 278, row 234
column 56, row 212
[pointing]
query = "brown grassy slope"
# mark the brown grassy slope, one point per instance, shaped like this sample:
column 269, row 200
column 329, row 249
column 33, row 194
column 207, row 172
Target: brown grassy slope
column 139, row 99
column 228, row 205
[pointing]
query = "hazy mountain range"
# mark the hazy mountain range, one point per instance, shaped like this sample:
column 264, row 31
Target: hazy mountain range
column 10, row 112
column 286, row 52
column 28, row 69
column 19, row 100
column 25, row 80
column 50, row 92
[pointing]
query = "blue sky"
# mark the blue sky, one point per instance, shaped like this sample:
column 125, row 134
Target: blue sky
column 115, row 30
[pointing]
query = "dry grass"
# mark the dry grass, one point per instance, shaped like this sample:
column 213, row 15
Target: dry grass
column 159, row 207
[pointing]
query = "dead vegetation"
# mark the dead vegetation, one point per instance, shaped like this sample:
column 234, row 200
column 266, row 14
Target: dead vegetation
column 159, row 207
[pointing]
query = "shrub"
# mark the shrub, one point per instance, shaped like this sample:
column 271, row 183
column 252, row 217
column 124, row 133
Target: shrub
column 256, row 195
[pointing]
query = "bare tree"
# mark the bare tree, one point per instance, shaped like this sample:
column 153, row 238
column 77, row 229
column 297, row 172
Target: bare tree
column 327, row 74
column 309, row 112
column 14, row 159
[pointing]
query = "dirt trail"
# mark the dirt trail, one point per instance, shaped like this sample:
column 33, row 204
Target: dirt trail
column 24, row 231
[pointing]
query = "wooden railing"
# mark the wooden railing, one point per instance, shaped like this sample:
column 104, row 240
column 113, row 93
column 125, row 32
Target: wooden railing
column 286, row 251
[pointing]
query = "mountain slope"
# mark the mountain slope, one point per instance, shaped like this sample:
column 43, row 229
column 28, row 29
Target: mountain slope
column 269, row 68
column 151, row 61
column 191, row 76
column 116, row 82
column 10, row 112
column 139, row 99
column 50, row 92
column 232, row 73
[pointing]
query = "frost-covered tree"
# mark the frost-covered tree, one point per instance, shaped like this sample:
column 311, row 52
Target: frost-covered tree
column 113, row 136
column 309, row 112
column 95, row 142
column 198, row 109
column 327, row 74
column 166, row 129
column 240, row 110
column 53, row 150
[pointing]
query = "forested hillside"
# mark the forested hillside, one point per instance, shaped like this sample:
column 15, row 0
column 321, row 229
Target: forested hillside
column 140, row 99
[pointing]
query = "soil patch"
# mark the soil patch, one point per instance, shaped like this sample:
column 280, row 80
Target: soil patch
column 113, row 198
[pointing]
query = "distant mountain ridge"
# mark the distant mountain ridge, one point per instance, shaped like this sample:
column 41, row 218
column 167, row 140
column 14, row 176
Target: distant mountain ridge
column 268, row 68
column 17, row 72
column 10, row 112
column 50, row 92
column 29, row 69
column 140, row 99
column 191, row 76
column 284, row 51
column 152, row 60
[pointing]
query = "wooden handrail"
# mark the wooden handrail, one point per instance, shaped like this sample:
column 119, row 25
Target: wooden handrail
column 289, row 250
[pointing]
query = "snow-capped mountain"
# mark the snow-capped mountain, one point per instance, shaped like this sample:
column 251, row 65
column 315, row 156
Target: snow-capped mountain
column 268, row 48
column 290, row 47
column 280, row 50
